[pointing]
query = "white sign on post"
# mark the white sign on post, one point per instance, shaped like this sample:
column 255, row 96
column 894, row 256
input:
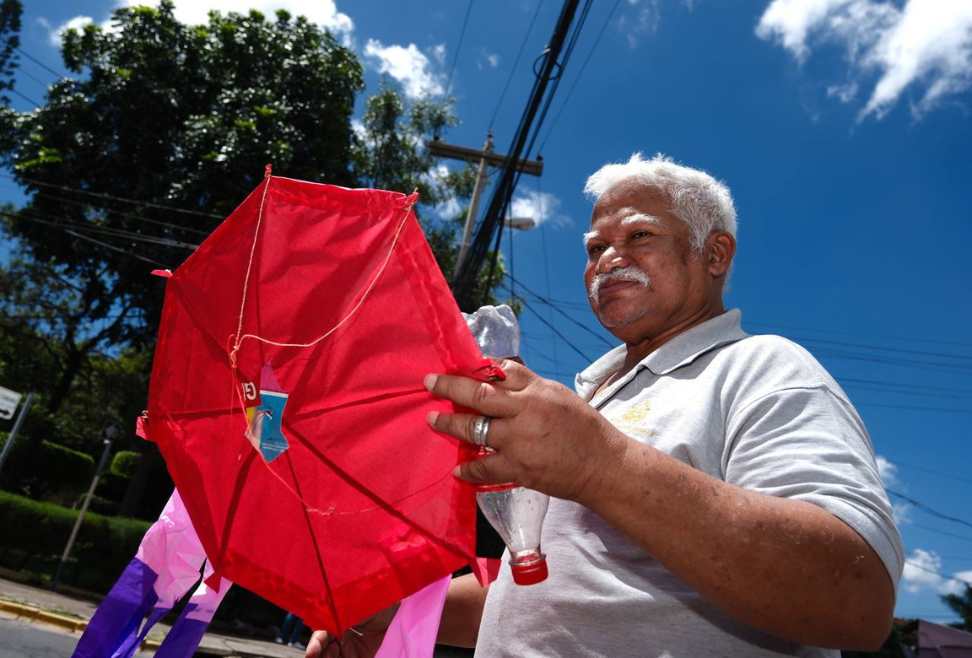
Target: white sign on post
column 8, row 403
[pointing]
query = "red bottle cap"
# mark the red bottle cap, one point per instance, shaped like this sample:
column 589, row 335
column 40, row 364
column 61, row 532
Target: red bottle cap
column 529, row 573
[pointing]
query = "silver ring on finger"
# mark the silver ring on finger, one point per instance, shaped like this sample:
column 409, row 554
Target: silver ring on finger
column 480, row 431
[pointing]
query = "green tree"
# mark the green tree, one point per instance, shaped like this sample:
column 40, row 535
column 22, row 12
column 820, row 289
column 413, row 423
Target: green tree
column 961, row 604
column 10, row 12
column 180, row 119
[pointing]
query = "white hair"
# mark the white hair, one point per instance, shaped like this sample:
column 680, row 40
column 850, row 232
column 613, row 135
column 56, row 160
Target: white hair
column 698, row 199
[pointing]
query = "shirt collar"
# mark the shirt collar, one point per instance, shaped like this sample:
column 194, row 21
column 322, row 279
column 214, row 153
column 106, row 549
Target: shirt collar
column 679, row 351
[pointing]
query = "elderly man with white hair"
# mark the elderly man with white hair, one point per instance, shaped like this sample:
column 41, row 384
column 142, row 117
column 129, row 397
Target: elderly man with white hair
column 714, row 493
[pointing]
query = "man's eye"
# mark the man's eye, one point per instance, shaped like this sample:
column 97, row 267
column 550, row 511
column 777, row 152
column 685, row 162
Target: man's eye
column 596, row 249
column 637, row 235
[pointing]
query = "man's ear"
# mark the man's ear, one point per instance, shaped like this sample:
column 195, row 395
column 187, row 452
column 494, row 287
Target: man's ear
column 720, row 247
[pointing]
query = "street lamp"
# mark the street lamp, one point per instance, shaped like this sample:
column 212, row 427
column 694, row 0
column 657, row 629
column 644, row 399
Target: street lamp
column 521, row 223
column 109, row 434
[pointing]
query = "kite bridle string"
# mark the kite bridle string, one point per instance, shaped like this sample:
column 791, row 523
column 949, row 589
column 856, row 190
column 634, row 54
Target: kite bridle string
column 249, row 267
column 239, row 339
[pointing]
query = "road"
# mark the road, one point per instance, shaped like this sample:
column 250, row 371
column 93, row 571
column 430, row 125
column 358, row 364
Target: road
column 21, row 639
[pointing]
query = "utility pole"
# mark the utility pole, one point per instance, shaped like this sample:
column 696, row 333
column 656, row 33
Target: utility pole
column 109, row 435
column 485, row 157
column 8, row 446
column 547, row 69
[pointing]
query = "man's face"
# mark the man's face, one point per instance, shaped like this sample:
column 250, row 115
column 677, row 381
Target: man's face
column 642, row 275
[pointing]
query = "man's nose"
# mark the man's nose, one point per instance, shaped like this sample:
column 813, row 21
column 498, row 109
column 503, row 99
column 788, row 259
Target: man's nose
column 611, row 259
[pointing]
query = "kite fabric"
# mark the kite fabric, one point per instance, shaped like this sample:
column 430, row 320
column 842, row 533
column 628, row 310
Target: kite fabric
column 165, row 567
column 413, row 630
column 287, row 400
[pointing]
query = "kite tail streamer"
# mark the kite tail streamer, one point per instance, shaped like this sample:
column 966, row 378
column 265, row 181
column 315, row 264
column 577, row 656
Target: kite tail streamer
column 412, row 631
column 189, row 628
column 166, row 566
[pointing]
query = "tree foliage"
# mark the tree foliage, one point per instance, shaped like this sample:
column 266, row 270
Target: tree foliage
column 961, row 604
column 127, row 166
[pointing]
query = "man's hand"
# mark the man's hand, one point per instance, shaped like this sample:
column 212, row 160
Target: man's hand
column 361, row 641
column 544, row 436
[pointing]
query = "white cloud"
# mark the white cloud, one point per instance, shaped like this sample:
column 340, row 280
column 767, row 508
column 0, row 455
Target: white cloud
column 539, row 206
column 922, row 570
column 195, row 12
column 448, row 210
column 322, row 12
column 76, row 23
column 643, row 18
column 487, row 58
column 409, row 66
column 925, row 43
column 887, row 470
column 439, row 53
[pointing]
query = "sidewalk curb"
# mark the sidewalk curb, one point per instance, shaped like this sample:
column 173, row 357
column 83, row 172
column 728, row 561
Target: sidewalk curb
column 72, row 624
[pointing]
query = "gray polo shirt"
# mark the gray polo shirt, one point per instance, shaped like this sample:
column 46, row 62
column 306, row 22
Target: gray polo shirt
column 757, row 411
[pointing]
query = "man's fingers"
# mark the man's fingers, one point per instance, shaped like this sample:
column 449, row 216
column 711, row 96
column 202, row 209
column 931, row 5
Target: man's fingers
column 315, row 646
column 494, row 469
column 517, row 374
column 484, row 397
column 462, row 426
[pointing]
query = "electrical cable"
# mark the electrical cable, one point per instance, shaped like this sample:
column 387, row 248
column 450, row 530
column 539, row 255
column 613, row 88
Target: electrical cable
column 559, row 335
column 516, row 62
column 26, row 98
column 930, row 510
column 114, row 248
column 580, row 325
column 580, row 73
column 41, row 64
column 112, row 197
column 47, row 220
column 85, row 204
column 455, row 57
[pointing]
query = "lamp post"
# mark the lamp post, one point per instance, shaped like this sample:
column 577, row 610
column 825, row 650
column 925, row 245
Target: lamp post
column 109, row 434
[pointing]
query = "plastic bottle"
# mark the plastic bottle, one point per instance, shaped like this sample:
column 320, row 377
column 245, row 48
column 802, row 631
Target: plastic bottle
column 517, row 515
column 515, row 512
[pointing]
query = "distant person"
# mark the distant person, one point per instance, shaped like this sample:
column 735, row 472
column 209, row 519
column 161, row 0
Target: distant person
column 290, row 631
column 715, row 493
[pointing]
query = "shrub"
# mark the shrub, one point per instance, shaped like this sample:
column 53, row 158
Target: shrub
column 125, row 463
column 35, row 534
column 47, row 470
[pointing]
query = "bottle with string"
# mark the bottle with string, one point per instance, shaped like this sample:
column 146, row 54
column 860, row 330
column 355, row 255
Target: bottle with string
column 515, row 512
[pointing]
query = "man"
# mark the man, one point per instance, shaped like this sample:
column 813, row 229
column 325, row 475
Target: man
column 715, row 494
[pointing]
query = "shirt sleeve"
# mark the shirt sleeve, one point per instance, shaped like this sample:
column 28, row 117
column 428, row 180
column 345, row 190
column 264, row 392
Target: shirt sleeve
column 809, row 444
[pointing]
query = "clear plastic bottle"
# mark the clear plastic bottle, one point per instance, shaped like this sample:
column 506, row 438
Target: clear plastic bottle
column 517, row 515
column 514, row 511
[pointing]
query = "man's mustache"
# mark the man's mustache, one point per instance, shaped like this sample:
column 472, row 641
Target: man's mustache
column 629, row 273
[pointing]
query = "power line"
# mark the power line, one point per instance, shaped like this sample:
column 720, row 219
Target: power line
column 102, row 195
column 580, row 73
column 85, row 204
column 516, row 62
column 942, row 532
column 114, row 248
column 547, row 302
column 559, row 335
column 928, row 509
column 26, row 98
column 47, row 220
column 922, row 567
column 462, row 34
column 41, row 64
column 844, row 333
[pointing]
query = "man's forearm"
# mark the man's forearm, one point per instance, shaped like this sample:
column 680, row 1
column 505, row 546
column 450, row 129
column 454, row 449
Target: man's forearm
column 463, row 612
column 784, row 566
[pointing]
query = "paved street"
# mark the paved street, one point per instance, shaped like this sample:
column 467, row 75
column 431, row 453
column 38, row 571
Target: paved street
column 22, row 639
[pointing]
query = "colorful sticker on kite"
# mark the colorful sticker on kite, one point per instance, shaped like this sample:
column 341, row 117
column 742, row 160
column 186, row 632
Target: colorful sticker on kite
column 264, row 415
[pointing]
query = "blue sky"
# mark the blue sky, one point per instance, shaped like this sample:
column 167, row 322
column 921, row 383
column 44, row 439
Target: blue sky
column 842, row 127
